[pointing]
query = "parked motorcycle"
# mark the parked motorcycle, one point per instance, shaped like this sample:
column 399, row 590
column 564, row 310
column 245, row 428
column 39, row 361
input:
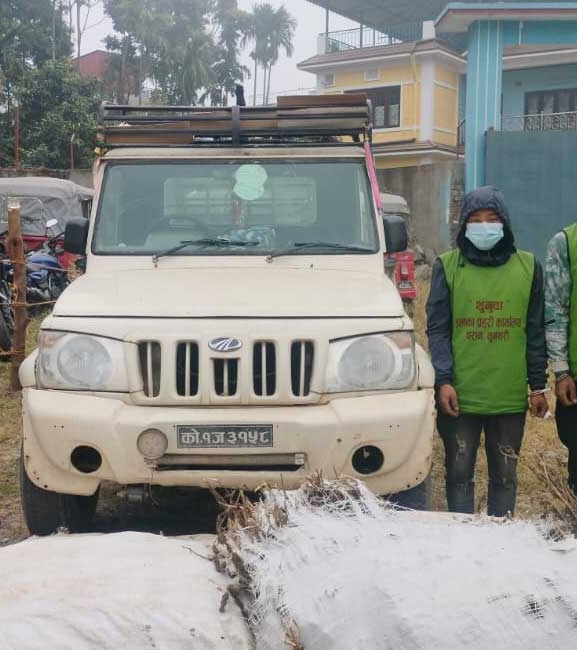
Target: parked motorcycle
column 6, row 313
column 46, row 279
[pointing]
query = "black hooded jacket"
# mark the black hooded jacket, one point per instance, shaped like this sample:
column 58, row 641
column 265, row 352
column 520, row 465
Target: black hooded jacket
column 439, row 316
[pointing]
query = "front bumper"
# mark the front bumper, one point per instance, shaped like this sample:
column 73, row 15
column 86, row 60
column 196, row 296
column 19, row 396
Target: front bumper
column 55, row 423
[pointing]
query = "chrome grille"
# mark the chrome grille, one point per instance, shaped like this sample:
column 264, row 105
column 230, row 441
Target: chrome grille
column 150, row 359
column 187, row 369
column 225, row 377
column 172, row 371
column 302, row 359
column 264, row 369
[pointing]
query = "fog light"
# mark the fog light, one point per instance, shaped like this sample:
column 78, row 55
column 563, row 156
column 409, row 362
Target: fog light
column 86, row 459
column 368, row 460
column 152, row 444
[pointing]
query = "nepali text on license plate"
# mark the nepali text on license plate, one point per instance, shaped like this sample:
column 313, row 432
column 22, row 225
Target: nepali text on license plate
column 215, row 437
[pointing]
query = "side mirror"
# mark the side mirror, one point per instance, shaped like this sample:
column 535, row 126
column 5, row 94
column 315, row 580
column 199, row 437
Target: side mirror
column 76, row 236
column 396, row 235
column 86, row 207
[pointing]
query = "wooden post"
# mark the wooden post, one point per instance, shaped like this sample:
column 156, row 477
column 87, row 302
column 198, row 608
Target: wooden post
column 15, row 248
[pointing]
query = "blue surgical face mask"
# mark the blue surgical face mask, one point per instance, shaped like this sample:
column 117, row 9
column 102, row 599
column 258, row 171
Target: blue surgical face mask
column 484, row 236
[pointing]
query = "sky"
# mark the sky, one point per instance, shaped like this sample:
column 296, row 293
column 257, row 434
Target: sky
column 285, row 76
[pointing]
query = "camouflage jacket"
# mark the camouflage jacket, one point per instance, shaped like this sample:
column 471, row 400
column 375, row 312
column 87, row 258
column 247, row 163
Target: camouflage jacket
column 558, row 286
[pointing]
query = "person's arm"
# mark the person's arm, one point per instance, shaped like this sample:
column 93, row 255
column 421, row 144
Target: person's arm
column 558, row 287
column 557, row 302
column 536, row 351
column 439, row 331
column 439, row 326
column 536, row 346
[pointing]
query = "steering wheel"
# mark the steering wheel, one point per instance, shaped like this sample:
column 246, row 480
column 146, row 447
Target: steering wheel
column 161, row 225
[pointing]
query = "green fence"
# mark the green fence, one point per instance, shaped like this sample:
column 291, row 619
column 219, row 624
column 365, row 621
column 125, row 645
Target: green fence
column 538, row 174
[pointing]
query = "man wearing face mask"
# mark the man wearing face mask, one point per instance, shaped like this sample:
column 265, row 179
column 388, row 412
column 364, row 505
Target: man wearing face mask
column 485, row 323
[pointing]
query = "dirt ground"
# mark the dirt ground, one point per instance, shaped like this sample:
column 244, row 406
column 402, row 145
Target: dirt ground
column 196, row 511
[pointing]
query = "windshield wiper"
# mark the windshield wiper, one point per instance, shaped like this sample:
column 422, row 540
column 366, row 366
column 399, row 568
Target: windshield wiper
column 217, row 242
column 298, row 246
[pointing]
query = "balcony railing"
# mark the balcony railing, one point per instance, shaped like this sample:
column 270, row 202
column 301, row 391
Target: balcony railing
column 352, row 39
column 540, row 122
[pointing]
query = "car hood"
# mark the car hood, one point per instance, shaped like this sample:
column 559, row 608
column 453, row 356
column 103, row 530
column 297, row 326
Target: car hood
column 232, row 293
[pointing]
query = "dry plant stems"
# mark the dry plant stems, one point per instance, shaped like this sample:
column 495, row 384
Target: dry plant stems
column 242, row 518
column 557, row 496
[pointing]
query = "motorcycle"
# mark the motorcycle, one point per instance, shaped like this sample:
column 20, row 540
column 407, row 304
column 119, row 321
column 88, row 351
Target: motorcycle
column 46, row 279
column 6, row 313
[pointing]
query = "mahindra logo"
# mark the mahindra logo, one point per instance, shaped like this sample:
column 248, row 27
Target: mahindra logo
column 225, row 344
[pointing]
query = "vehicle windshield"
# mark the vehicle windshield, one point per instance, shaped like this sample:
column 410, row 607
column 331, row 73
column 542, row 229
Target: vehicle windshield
column 236, row 208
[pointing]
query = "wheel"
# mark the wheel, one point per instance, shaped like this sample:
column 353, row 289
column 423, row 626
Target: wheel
column 417, row 498
column 45, row 512
column 56, row 285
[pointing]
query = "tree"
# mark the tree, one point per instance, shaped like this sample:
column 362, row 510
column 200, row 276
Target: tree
column 187, row 49
column 271, row 30
column 55, row 105
column 31, row 33
column 227, row 69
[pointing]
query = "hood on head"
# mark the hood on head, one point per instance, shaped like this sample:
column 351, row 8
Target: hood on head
column 486, row 198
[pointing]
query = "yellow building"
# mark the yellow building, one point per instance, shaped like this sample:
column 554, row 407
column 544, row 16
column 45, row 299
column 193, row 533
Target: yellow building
column 414, row 90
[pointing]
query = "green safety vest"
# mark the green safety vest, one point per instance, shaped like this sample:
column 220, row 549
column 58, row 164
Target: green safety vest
column 571, row 233
column 489, row 307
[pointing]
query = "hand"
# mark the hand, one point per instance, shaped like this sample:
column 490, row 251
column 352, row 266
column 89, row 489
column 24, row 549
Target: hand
column 566, row 391
column 448, row 400
column 538, row 405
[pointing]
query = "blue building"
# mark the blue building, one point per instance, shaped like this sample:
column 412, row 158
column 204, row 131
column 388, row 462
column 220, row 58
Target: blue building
column 516, row 121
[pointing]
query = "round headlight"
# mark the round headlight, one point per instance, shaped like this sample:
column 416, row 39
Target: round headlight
column 85, row 362
column 367, row 363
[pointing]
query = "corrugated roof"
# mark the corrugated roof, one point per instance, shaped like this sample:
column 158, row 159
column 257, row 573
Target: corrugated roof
column 379, row 51
column 379, row 13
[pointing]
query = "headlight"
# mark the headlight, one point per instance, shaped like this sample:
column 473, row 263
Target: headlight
column 81, row 362
column 376, row 362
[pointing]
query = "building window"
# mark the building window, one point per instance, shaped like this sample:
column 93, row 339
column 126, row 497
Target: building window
column 372, row 74
column 328, row 80
column 546, row 102
column 386, row 106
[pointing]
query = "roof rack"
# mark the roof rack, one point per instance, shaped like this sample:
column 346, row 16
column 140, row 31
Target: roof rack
column 303, row 120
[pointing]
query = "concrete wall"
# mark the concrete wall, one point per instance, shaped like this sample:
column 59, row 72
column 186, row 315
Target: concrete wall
column 518, row 82
column 433, row 193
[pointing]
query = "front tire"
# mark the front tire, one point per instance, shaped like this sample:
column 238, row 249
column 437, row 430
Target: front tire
column 45, row 511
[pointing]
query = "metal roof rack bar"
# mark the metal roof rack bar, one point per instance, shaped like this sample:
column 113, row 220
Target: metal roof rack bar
column 313, row 117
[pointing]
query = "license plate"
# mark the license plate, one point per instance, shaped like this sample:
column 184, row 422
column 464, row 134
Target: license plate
column 404, row 286
column 225, row 436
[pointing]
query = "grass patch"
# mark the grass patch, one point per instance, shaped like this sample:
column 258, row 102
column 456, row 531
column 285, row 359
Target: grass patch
column 11, row 523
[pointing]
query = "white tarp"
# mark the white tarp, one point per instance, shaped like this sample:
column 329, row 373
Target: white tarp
column 127, row 591
column 341, row 572
column 324, row 568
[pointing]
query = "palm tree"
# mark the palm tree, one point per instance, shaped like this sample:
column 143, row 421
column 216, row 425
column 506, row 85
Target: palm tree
column 271, row 30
